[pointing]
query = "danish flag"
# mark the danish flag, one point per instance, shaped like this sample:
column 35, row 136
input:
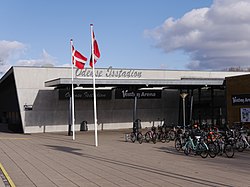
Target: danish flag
column 96, row 51
column 77, row 58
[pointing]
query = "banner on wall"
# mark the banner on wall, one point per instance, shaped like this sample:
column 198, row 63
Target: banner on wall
column 141, row 94
column 85, row 94
column 245, row 114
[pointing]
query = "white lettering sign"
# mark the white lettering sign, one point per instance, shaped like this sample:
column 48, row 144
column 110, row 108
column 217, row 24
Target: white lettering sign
column 109, row 73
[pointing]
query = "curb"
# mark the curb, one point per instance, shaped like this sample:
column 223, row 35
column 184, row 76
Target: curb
column 6, row 177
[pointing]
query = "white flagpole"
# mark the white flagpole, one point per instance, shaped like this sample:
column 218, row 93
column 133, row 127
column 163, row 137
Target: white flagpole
column 94, row 90
column 72, row 94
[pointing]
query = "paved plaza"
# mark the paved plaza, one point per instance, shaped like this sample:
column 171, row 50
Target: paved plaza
column 54, row 159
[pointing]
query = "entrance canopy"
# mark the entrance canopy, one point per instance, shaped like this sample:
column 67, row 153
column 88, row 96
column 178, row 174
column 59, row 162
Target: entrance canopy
column 138, row 83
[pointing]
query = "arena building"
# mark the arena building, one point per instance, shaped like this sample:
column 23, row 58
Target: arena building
column 37, row 99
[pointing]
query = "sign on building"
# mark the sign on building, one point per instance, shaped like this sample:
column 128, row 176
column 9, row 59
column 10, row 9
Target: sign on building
column 243, row 99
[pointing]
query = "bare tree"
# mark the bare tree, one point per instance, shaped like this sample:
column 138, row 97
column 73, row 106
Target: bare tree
column 1, row 64
column 246, row 69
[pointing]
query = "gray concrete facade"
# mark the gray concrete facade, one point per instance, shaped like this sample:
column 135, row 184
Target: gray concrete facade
column 30, row 96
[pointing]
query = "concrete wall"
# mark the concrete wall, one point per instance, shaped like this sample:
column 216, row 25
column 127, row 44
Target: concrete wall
column 32, row 92
column 51, row 114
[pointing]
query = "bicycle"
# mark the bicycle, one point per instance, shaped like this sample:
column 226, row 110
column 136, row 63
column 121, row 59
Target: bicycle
column 241, row 142
column 198, row 146
column 225, row 144
column 211, row 143
column 162, row 135
column 172, row 132
column 180, row 139
column 151, row 135
column 136, row 135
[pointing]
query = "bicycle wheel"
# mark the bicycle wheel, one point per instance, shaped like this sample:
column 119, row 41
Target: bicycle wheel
column 172, row 135
column 246, row 141
column 187, row 149
column 167, row 137
column 177, row 144
column 212, row 149
column 240, row 145
column 162, row 137
column 147, row 136
column 202, row 150
column 133, row 137
column 140, row 137
column 229, row 150
column 217, row 147
column 154, row 138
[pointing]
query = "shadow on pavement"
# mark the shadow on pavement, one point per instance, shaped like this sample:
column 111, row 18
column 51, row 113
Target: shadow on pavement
column 138, row 167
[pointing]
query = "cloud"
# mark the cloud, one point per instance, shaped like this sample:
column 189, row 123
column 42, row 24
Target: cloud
column 45, row 60
column 214, row 38
column 9, row 50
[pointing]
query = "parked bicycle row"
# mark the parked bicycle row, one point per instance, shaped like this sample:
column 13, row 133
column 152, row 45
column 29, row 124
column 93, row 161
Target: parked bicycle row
column 196, row 140
column 160, row 133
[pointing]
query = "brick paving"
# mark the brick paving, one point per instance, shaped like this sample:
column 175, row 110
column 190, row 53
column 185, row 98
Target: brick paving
column 54, row 159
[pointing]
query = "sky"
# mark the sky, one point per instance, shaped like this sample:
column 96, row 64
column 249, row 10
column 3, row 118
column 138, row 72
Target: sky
column 138, row 34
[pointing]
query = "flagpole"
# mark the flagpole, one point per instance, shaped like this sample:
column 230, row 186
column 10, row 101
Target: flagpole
column 94, row 90
column 72, row 94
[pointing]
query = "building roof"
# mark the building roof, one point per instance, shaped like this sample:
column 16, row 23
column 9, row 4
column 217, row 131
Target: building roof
column 121, row 77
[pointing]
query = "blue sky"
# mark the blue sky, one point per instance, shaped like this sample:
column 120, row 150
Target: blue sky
column 144, row 34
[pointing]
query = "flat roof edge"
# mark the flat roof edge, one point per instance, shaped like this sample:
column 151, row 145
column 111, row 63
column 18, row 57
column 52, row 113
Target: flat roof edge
column 137, row 82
